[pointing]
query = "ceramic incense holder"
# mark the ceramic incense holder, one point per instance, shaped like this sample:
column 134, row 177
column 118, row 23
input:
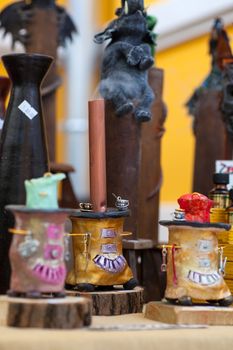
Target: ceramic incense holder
column 39, row 246
column 194, row 268
column 97, row 245
column 195, row 264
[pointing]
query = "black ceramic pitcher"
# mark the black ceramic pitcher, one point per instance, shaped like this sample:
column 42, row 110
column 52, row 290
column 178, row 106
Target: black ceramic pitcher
column 23, row 146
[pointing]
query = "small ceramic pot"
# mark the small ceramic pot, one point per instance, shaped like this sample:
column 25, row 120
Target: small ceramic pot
column 193, row 269
column 38, row 250
column 97, row 251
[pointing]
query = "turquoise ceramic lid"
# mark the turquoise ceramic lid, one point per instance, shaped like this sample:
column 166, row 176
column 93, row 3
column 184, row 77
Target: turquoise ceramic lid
column 41, row 193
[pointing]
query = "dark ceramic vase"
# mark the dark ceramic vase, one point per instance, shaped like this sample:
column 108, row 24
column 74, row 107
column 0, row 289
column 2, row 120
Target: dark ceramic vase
column 4, row 90
column 23, row 146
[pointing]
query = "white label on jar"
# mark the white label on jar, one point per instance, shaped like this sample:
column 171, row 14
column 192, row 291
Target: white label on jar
column 28, row 110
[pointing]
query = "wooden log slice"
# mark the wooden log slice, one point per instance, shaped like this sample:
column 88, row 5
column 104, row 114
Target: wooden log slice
column 114, row 302
column 67, row 313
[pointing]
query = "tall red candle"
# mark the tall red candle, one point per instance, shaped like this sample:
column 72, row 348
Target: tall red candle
column 97, row 155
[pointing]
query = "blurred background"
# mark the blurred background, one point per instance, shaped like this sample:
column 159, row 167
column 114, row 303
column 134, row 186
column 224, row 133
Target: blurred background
column 182, row 52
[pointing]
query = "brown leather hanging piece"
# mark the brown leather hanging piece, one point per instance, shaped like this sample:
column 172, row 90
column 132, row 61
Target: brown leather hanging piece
column 205, row 106
column 210, row 140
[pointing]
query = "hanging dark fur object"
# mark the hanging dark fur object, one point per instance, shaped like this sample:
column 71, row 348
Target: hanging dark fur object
column 127, row 58
column 14, row 19
column 219, row 48
column 211, row 141
column 227, row 101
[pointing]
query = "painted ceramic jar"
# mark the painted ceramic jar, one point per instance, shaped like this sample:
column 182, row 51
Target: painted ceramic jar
column 97, row 250
column 195, row 267
column 38, row 250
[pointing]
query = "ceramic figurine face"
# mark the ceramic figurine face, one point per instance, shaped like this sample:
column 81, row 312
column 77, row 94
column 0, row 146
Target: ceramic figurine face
column 49, row 267
column 37, row 259
column 193, row 269
column 109, row 259
column 100, row 261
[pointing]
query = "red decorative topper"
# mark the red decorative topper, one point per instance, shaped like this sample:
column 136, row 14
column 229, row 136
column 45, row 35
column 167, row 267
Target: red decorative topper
column 196, row 206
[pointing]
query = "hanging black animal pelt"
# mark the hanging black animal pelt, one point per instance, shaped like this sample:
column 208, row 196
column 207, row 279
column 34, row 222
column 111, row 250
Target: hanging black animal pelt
column 14, row 19
column 127, row 58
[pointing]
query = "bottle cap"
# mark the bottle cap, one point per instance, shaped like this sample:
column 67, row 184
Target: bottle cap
column 221, row 178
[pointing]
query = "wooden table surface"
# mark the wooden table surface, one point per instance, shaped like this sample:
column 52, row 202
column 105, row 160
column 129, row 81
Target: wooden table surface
column 215, row 337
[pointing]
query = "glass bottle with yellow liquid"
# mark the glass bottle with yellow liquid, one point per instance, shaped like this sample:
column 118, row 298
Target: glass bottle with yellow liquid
column 220, row 197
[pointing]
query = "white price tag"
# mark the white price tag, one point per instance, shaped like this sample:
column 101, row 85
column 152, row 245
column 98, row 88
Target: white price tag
column 225, row 166
column 28, row 110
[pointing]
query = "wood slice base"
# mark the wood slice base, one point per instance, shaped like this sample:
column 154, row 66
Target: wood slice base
column 175, row 314
column 114, row 302
column 67, row 313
